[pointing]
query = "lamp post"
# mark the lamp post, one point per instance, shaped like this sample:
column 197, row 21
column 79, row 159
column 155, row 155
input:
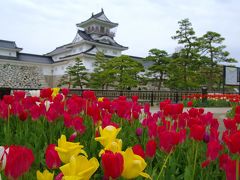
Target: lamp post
column 204, row 94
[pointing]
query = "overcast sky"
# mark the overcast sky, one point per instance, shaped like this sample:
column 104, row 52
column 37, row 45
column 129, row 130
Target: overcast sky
column 39, row 26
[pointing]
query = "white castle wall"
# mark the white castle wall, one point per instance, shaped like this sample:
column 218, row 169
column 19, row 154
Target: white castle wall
column 6, row 52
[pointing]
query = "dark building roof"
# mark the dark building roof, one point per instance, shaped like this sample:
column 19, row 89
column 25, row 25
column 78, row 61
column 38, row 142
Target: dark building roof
column 33, row 58
column 84, row 35
column 8, row 44
column 87, row 37
column 88, row 50
column 60, row 49
column 96, row 16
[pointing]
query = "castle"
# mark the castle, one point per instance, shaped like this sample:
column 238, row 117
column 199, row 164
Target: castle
column 23, row 70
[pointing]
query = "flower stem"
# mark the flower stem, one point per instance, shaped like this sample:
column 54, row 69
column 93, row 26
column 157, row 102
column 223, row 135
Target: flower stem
column 237, row 168
column 164, row 165
column 195, row 160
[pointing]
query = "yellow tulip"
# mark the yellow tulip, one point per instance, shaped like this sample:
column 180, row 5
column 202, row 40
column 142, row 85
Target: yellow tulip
column 133, row 165
column 67, row 149
column 114, row 146
column 107, row 135
column 55, row 92
column 100, row 99
column 46, row 175
column 79, row 168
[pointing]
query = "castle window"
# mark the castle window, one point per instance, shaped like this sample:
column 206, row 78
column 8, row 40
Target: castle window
column 97, row 28
column 101, row 29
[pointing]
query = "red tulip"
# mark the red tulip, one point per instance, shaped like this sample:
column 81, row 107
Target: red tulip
column 4, row 110
column 78, row 125
column 138, row 150
column 197, row 132
column 151, row 148
column 193, row 112
column 19, row 95
column 139, row 131
column 168, row 140
column 134, row 98
column 8, row 99
column 52, row 114
column 35, row 112
column 65, row 91
column 229, row 166
column 189, row 104
column 23, row 115
column 52, row 159
column 59, row 176
column 19, row 161
column 89, row 95
column 112, row 164
column 205, row 163
column 72, row 137
column 146, row 108
column 173, row 109
column 237, row 110
column 230, row 124
column 67, row 119
column 233, row 142
column 213, row 149
column 164, row 103
column 46, row 93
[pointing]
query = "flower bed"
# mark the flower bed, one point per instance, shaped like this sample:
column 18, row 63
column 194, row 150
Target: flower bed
column 48, row 136
column 211, row 100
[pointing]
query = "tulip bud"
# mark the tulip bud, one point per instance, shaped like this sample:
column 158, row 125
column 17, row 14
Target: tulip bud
column 151, row 148
column 52, row 159
column 206, row 137
column 112, row 164
column 139, row 131
column 138, row 150
column 72, row 137
column 59, row 176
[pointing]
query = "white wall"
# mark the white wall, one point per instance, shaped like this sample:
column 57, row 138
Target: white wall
column 10, row 53
column 47, row 70
column 88, row 63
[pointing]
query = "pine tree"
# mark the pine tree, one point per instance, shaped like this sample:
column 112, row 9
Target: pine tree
column 76, row 75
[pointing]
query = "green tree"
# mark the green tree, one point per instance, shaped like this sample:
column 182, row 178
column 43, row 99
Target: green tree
column 66, row 79
column 212, row 53
column 159, row 68
column 75, row 75
column 125, row 70
column 185, row 63
column 101, row 76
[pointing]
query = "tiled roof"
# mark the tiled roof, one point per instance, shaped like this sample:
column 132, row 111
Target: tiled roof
column 84, row 35
column 59, row 49
column 97, row 16
column 87, row 37
column 33, row 58
column 8, row 44
column 88, row 50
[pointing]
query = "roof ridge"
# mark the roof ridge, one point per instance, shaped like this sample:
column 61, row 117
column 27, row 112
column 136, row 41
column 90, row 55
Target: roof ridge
column 7, row 40
column 35, row 54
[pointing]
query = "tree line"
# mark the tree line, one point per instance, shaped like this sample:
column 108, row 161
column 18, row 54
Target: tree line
column 194, row 63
